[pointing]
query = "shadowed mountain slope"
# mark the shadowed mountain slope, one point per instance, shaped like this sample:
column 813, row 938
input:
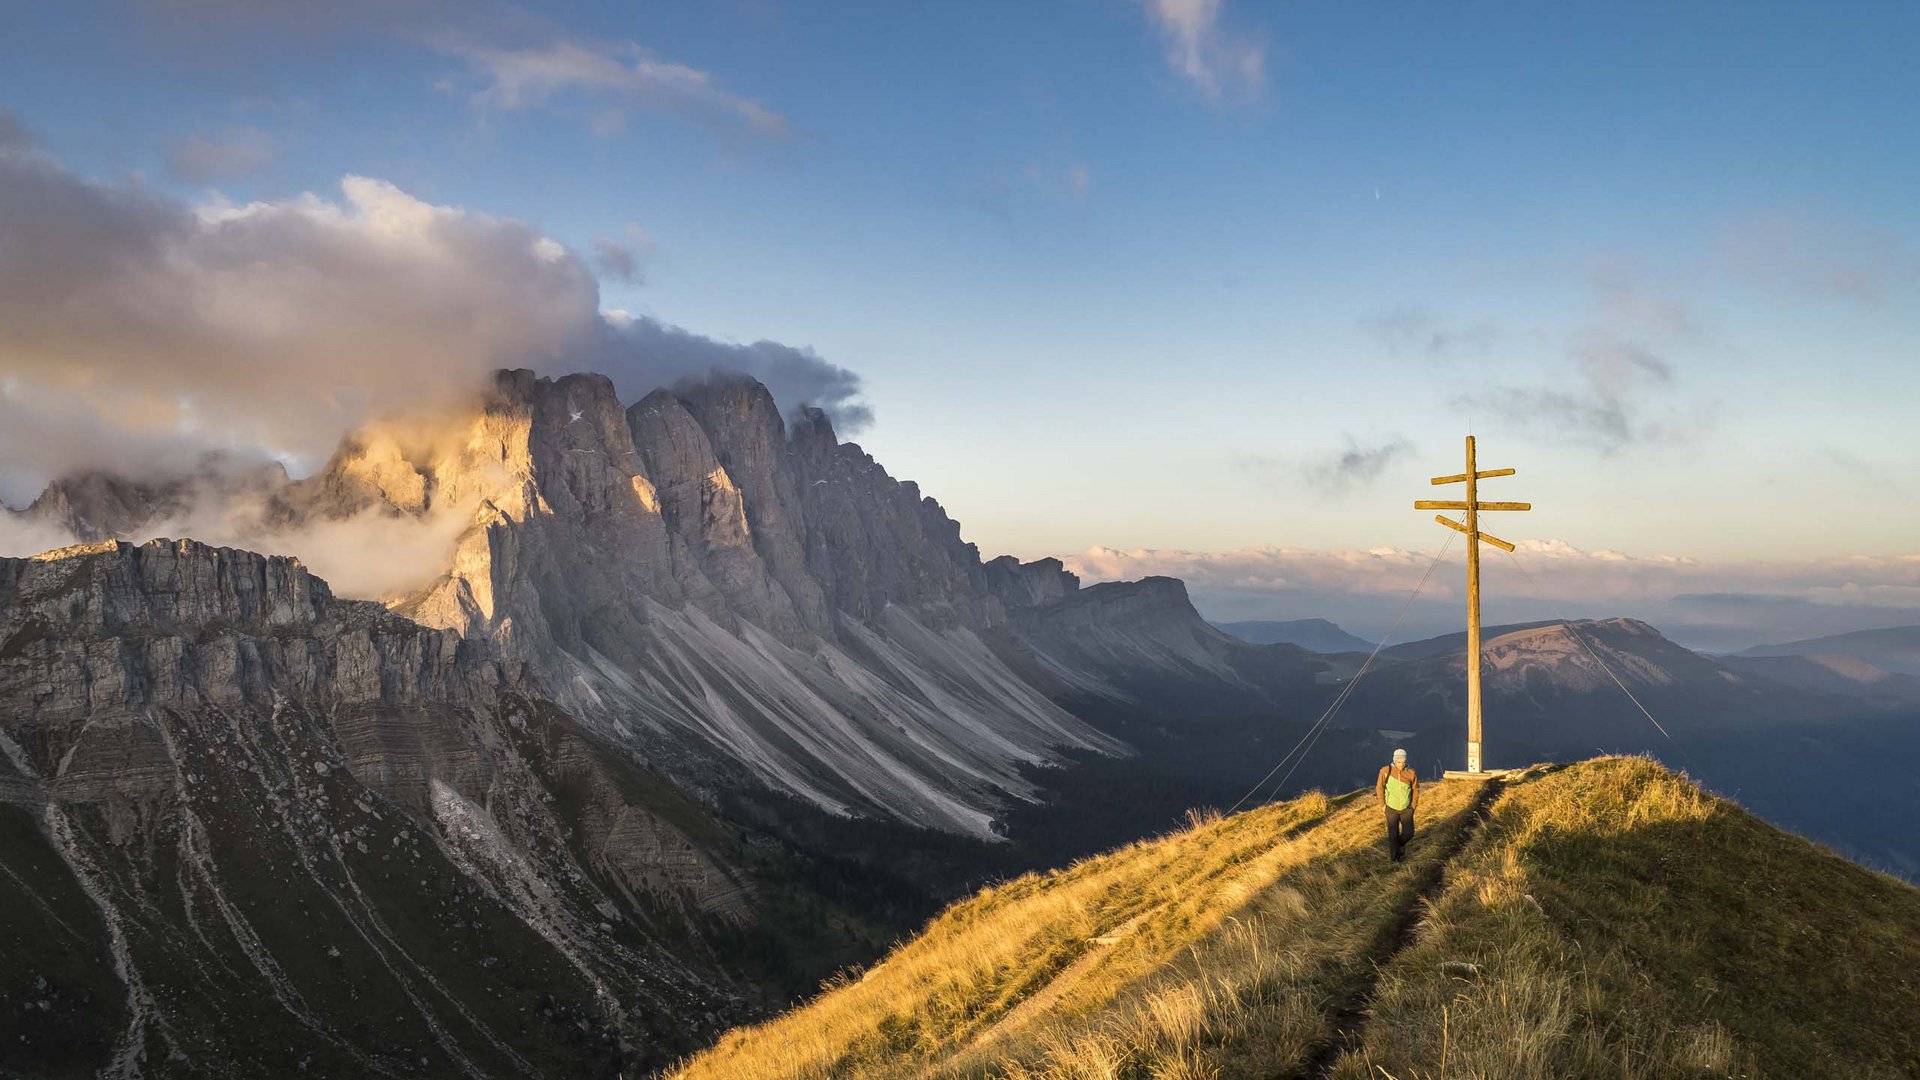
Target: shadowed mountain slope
column 1601, row 919
column 249, row 829
column 1894, row 649
column 1319, row 635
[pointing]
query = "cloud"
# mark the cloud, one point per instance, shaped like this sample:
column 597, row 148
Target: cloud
column 1726, row 605
column 15, row 135
column 1411, row 330
column 648, row 348
column 1334, row 474
column 622, row 74
column 1079, row 179
column 1222, row 64
column 1356, row 466
column 234, row 153
column 1616, row 387
column 1045, row 181
column 623, row 257
column 1819, row 256
column 372, row 554
column 518, row 59
column 154, row 332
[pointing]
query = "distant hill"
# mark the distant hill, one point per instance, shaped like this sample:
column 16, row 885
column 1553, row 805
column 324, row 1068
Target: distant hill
column 1318, row 635
column 1832, row 673
column 1456, row 642
column 1605, row 918
column 1895, row 649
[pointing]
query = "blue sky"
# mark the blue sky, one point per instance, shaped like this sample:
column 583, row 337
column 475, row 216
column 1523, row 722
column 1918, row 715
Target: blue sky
column 1165, row 275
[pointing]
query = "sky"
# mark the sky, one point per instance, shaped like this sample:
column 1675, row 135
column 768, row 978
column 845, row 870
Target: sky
column 1204, row 287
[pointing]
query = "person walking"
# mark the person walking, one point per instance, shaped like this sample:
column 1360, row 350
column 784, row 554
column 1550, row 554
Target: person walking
column 1398, row 790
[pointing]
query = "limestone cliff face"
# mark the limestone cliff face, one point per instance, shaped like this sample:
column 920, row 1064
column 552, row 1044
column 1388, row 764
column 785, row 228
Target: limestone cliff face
column 731, row 601
column 1142, row 644
column 267, row 827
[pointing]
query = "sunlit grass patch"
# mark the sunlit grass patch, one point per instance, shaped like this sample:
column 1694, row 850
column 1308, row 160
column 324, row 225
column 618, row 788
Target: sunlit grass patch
column 1207, row 953
column 1620, row 922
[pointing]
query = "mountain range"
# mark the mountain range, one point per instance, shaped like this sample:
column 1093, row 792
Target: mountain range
column 1319, row 635
column 686, row 704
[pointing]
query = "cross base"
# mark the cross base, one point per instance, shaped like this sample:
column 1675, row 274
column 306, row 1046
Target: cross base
column 1485, row 774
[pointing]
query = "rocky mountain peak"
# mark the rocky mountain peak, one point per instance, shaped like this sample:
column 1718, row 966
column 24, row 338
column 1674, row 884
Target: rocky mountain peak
column 695, row 580
column 708, row 588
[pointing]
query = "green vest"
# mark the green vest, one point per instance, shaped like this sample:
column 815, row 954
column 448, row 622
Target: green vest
column 1399, row 792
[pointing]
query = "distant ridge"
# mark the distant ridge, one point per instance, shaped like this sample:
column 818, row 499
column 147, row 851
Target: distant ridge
column 1894, row 649
column 1456, row 642
column 1318, row 635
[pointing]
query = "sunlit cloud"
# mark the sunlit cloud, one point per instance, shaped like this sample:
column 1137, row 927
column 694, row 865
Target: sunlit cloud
column 514, row 60
column 1222, row 64
column 619, row 76
column 138, row 332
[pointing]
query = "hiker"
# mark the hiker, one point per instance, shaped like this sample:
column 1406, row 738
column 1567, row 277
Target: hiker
column 1398, row 789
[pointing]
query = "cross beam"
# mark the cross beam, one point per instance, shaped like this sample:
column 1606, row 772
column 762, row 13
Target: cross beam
column 1473, row 506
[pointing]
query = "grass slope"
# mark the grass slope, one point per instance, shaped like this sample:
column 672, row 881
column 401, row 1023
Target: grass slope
column 1607, row 919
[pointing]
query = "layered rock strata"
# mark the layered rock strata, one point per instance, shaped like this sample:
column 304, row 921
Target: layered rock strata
column 250, row 829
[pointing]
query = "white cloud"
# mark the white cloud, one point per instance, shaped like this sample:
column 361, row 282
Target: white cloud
column 521, row 59
column 139, row 333
column 1222, row 64
column 623, row 75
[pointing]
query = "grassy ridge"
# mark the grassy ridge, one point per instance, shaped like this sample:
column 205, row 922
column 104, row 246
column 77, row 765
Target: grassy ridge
column 1609, row 919
column 1626, row 924
column 1224, row 942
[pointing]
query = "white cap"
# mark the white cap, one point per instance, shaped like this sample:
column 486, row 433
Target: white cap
column 1400, row 754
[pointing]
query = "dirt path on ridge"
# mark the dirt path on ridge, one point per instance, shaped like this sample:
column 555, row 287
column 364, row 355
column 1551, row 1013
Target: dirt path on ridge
column 1350, row 1013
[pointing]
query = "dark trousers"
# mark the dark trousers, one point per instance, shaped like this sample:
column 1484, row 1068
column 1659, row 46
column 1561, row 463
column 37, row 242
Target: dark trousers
column 1399, row 831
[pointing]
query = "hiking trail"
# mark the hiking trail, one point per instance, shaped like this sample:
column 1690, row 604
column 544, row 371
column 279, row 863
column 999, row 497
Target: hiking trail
column 1349, row 1013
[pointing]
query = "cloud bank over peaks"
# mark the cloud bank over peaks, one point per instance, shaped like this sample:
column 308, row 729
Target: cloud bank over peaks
column 140, row 333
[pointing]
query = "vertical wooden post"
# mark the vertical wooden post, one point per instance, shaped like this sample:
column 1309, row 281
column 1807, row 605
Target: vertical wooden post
column 1472, row 505
column 1473, row 612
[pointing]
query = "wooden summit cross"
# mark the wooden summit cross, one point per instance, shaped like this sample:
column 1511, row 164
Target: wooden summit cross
column 1472, row 505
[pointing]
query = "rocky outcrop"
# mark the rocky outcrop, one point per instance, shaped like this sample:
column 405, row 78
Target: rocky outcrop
column 1142, row 642
column 252, row 829
column 1021, row 586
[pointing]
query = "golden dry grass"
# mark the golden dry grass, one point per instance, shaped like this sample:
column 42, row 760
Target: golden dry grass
column 1241, row 929
column 1622, row 924
column 1627, row 925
